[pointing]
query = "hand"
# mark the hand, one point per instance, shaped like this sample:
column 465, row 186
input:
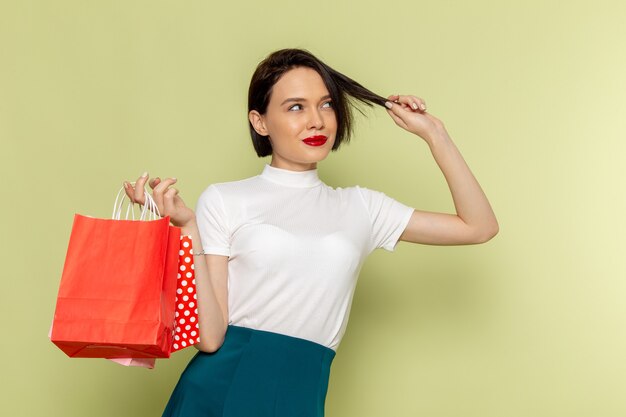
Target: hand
column 409, row 112
column 166, row 199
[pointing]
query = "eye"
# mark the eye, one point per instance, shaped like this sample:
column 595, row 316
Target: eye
column 328, row 105
column 295, row 107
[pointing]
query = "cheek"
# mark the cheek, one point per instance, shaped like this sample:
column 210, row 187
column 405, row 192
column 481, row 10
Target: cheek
column 283, row 126
column 331, row 122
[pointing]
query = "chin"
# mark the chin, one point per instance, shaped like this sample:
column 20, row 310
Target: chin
column 317, row 157
column 317, row 153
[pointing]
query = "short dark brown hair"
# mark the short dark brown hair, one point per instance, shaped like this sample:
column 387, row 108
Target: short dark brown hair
column 340, row 88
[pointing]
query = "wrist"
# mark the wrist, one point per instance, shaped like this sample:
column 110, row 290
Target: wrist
column 190, row 227
column 438, row 138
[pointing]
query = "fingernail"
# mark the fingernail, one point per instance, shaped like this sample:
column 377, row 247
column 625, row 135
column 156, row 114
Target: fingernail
column 414, row 106
column 145, row 174
column 388, row 104
column 174, row 179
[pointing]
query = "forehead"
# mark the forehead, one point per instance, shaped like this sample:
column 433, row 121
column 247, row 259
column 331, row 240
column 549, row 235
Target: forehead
column 300, row 82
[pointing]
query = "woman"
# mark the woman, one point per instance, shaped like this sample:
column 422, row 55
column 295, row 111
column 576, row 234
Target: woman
column 278, row 254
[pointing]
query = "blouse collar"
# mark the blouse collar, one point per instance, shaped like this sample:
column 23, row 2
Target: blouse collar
column 299, row 179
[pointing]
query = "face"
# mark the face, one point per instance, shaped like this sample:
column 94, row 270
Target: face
column 300, row 120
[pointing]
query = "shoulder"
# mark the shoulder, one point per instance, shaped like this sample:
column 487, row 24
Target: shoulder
column 375, row 201
column 356, row 197
column 225, row 193
column 232, row 187
column 363, row 194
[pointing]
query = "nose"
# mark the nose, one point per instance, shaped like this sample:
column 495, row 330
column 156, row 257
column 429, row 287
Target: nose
column 316, row 120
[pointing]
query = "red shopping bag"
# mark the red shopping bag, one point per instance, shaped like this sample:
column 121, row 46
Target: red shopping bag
column 117, row 291
column 187, row 329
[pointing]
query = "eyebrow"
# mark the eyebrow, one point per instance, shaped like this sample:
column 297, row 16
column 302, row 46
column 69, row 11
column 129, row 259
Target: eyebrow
column 303, row 99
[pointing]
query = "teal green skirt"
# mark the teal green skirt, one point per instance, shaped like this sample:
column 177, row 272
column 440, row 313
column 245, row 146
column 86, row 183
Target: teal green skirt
column 254, row 373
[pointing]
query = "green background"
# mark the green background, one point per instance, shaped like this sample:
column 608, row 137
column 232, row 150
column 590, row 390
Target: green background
column 530, row 324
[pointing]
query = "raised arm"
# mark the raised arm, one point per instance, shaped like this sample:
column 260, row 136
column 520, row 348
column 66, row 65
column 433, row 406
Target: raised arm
column 211, row 271
column 474, row 221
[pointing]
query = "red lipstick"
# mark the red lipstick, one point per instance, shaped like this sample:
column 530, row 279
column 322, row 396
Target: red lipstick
column 318, row 140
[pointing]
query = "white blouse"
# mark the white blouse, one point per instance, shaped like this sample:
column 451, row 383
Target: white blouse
column 295, row 248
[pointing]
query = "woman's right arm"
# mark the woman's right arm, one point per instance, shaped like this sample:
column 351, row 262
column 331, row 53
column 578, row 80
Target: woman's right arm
column 211, row 271
column 211, row 274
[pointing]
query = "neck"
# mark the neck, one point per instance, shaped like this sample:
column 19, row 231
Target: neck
column 291, row 178
column 293, row 166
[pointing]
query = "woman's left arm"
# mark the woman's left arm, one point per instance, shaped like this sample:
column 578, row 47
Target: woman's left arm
column 474, row 221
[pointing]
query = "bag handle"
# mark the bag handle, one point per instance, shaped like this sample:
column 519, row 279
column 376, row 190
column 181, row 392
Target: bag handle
column 150, row 211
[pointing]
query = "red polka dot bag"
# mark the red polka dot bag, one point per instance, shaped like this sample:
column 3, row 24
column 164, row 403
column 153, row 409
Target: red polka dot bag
column 123, row 293
column 187, row 329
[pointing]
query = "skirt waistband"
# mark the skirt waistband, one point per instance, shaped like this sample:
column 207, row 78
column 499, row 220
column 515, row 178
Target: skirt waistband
column 241, row 334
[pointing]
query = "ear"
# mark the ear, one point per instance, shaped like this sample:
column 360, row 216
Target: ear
column 258, row 123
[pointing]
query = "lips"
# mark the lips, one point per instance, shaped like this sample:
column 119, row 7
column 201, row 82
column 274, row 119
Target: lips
column 318, row 140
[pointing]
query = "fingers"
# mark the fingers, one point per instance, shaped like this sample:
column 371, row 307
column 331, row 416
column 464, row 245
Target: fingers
column 164, row 196
column 169, row 200
column 397, row 110
column 135, row 192
column 401, row 107
column 415, row 103
column 138, row 195
column 154, row 182
column 409, row 102
column 397, row 118
column 130, row 192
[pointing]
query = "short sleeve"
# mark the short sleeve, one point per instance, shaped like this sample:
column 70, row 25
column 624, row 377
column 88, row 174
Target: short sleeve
column 213, row 222
column 388, row 218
